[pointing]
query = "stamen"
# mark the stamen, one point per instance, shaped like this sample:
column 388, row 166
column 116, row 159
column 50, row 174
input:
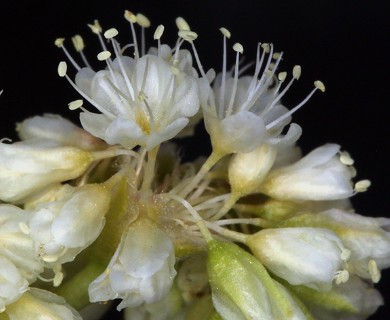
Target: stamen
column 225, row 32
column 104, row 55
column 362, row 185
column 239, row 49
column 282, row 76
column 287, row 114
column 144, row 22
column 95, row 27
column 188, row 35
column 62, row 67
column 78, row 43
column 79, row 46
column 59, row 42
column 182, row 24
column 374, row 271
column 345, row 254
column 319, row 85
column 159, row 32
column 226, row 35
column 131, row 17
column 297, row 71
column 346, row 159
column 74, row 105
column 111, row 33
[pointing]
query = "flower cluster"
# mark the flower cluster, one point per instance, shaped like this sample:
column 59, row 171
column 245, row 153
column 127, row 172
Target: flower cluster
column 109, row 211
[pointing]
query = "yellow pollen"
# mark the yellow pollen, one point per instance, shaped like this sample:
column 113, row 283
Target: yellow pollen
column 319, row 85
column 188, row 35
column 78, row 43
column 95, row 27
column 104, row 55
column 111, row 33
column 159, row 32
column 297, row 70
column 238, row 48
column 75, row 104
column 62, row 67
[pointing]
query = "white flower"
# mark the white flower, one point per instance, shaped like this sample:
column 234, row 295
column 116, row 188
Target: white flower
column 141, row 270
column 303, row 256
column 143, row 101
column 41, row 304
column 245, row 112
column 68, row 225
column 320, row 175
column 54, row 127
column 16, row 243
column 367, row 238
column 12, row 283
column 28, row 167
column 248, row 170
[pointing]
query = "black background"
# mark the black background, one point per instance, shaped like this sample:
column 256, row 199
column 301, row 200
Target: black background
column 344, row 43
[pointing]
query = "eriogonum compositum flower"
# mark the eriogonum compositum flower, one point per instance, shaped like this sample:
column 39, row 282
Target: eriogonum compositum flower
column 110, row 213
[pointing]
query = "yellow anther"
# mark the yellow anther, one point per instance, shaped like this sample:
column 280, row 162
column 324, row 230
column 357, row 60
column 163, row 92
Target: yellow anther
column 282, row 76
column 182, row 24
column 297, row 70
column 104, row 55
column 131, row 17
column 95, row 27
column 319, row 85
column 225, row 32
column 111, row 33
column 62, row 67
column 75, row 104
column 142, row 20
column 159, row 32
column 59, row 42
column 188, row 35
column 78, row 43
column 362, row 185
column 238, row 48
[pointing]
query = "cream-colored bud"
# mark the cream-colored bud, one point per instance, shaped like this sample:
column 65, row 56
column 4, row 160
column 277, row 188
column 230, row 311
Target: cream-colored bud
column 248, row 170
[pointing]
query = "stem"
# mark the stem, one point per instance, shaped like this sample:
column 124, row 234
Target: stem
column 210, row 162
column 198, row 219
column 228, row 205
column 149, row 170
column 262, row 223
column 233, row 235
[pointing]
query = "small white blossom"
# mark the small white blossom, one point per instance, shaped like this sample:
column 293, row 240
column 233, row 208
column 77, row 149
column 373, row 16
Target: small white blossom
column 244, row 112
column 41, row 304
column 143, row 100
column 28, row 167
column 320, row 175
column 12, row 283
column 302, row 256
column 141, row 270
column 68, row 225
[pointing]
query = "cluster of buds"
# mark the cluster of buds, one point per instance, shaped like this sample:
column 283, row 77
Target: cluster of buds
column 109, row 211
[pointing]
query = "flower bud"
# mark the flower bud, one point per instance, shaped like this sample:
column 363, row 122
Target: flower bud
column 55, row 128
column 41, row 304
column 242, row 288
column 248, row 170
column 65, row 227
column 28, row 167
column 320, row 175
column 141, row 270
column 302, row 256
